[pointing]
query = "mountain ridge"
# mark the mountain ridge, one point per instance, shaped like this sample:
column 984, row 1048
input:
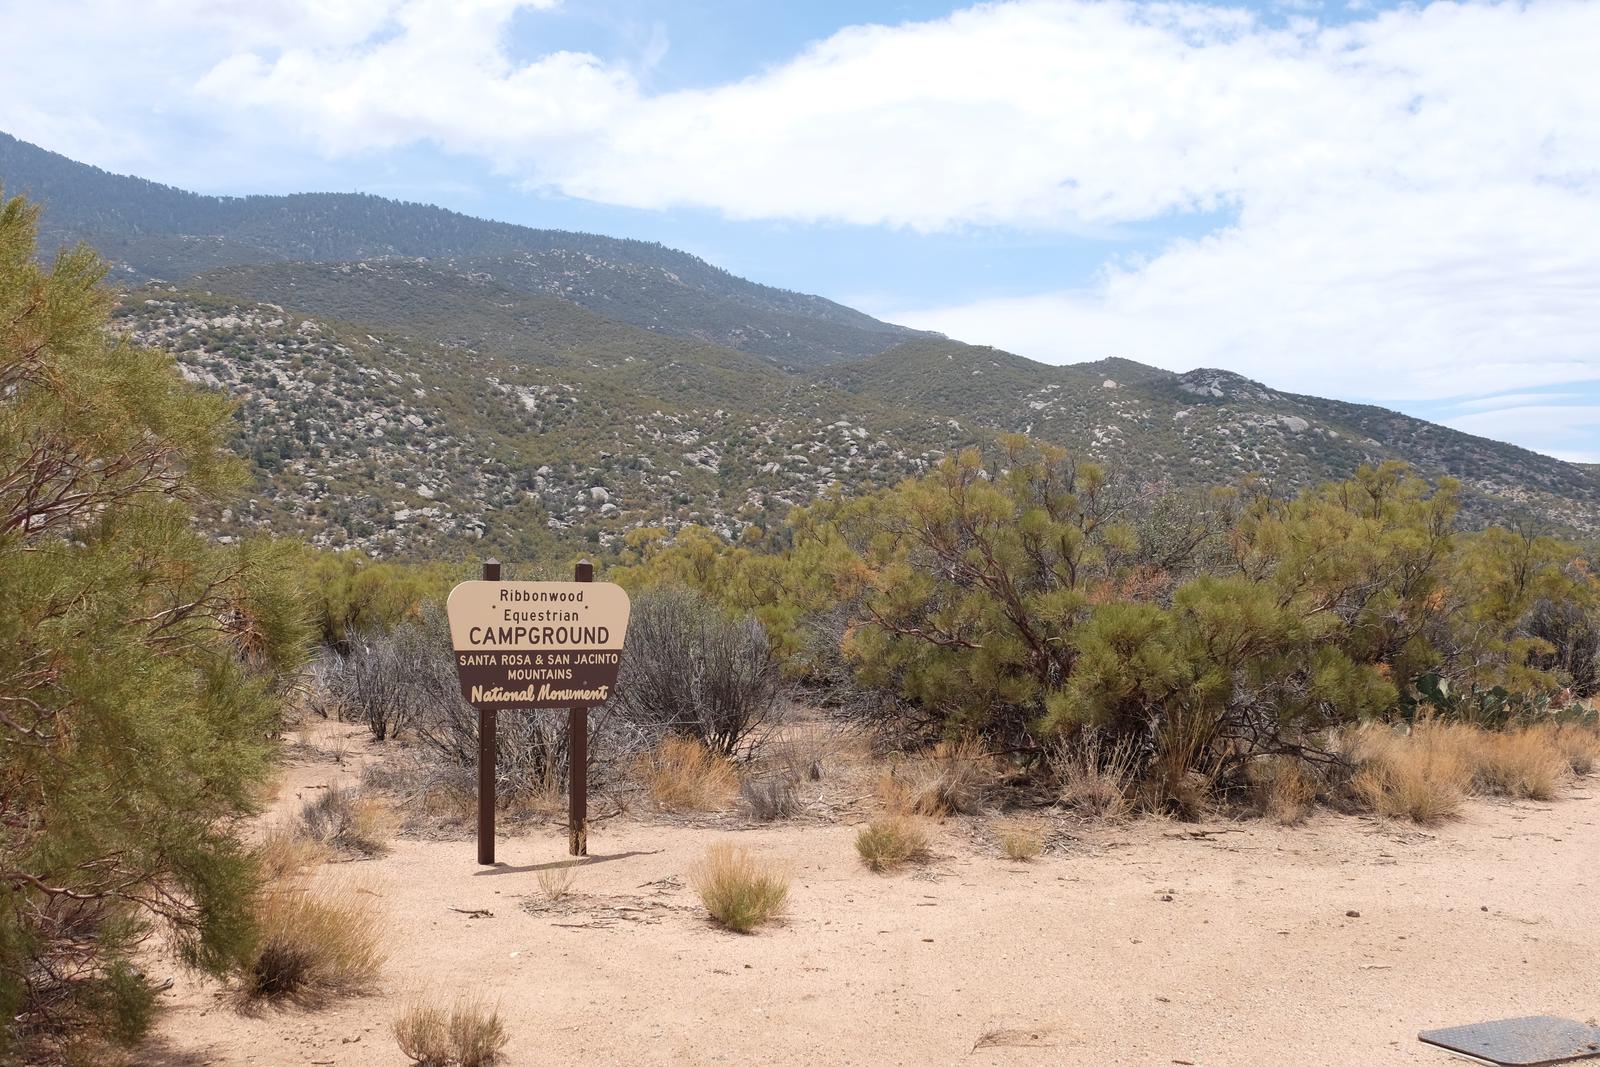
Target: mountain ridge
column 534, row 394
column 158, row 232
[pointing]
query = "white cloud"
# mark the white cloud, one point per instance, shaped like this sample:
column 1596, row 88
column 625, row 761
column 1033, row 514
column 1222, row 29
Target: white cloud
column 1415, row 196
column 1566, row 431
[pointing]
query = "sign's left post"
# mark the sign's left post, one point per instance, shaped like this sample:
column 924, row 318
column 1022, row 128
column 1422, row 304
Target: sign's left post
column 486, row 758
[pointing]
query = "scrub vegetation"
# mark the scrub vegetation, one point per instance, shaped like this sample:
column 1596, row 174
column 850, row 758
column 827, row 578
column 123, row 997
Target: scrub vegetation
column 1000, row 637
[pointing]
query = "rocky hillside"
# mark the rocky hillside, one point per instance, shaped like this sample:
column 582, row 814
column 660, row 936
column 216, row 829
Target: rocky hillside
column 1213, row 426
column 414, row 381
column 530, row 423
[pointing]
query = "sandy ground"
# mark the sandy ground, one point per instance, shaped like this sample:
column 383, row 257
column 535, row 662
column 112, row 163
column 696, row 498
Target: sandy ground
column 1228, row 943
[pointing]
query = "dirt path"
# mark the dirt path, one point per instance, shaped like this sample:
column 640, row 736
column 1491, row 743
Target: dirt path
column 1144, row 944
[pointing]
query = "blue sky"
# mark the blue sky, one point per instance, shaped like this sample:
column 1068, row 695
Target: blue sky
column 1394, row 204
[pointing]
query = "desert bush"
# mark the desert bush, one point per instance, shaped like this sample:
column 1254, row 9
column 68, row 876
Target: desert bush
column 892, row 840
column 769, row 797
column 693, row 669
column 1422, row 776
column 314, row 942
column 1021, row 839
column 466, row 1033
column 803, row 754
column 738, row 889
column 1095, row 775
column 390, row 678
column 349, row 821
column 681, row 774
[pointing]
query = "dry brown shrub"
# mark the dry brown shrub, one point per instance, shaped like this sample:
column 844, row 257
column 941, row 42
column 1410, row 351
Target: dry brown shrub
column 806, row 752
column 953, row 777
column 892, row 840
column 349, row 821
column 314, row 943
column 1516, row 763
column 1285, row 789
column 1422, row 776
column 1181, row 776
column 467, row 1033
column 1579, row 744
column 422, row 1030
column 740, row 890
column 1021, row 839
column 681, row 774
column 1096, row 776
column 769, row 798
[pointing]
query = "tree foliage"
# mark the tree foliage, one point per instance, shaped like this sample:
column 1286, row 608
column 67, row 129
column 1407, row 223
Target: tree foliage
column 1024, row 594
column 138, row 664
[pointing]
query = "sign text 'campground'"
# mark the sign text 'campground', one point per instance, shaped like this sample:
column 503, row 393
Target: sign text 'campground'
column 537, row 644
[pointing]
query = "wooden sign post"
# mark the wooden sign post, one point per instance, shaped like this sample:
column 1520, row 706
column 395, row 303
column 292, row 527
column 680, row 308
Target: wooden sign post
column 537, row 645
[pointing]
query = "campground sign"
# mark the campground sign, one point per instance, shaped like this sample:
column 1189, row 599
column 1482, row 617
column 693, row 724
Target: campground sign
column 537, row 644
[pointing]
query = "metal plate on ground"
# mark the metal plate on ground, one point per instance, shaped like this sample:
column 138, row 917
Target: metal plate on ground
column 1531, row 1042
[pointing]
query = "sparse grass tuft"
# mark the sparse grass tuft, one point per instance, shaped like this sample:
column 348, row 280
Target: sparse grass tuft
column 468, row 1033
column 349, row 821
column 556, row 880
column 892, row 840
column 769, row 799
column 285, row 852
column 953, row 777
column 1284, row 788
column 681, row 774
column 1096, row 778
column 740, row 890
column 313, row 943
column 1021, row 839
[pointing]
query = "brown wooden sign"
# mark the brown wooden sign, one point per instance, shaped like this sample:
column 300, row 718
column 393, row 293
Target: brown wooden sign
column 537, row 644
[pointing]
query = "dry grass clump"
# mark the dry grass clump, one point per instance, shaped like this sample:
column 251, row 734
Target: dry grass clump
column 1422, row 776
column 681, row 774
column 740, row 890
column 804, row 753
column 769, row 798
column 951, row 778
column 468, row 1033
column 1096, row 777
column 314, row 942
column 1516, row 763
column 285, row 852
column 1579, row 744
column 1285, row 790
column 892, row 840
column 349, row 821
column 1021, row 839
column 555, row 881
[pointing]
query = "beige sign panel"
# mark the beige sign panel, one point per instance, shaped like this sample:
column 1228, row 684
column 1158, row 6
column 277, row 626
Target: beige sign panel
column 537, row 644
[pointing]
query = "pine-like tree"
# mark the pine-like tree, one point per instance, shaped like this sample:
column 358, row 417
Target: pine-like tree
column 139, row 665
